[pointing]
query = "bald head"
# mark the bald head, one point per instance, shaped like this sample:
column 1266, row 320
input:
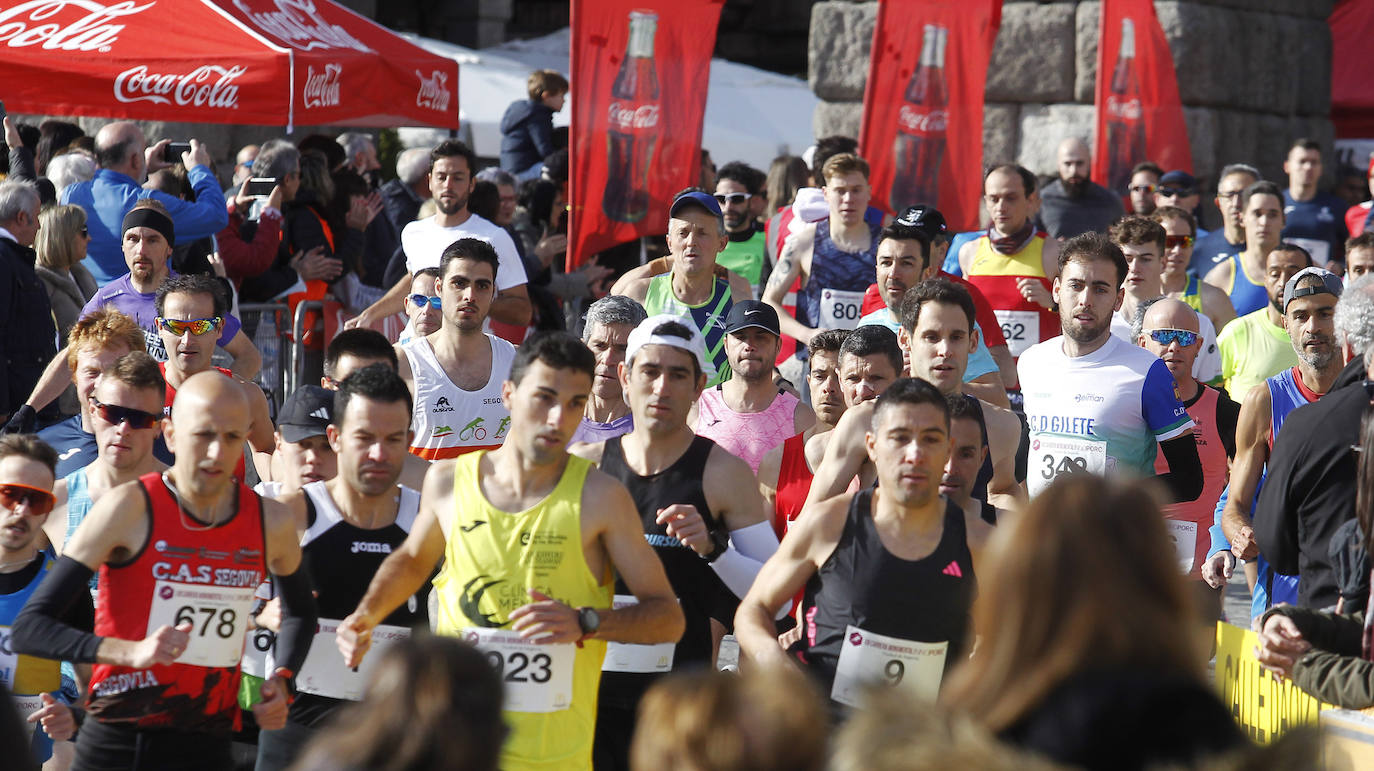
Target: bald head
column 1170, row 314
column 210, row 392
column 210, row 422
column 1074, row 157
column 119, row 147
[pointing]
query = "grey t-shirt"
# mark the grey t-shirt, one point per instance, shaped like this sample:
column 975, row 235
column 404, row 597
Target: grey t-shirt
column 1065, row 217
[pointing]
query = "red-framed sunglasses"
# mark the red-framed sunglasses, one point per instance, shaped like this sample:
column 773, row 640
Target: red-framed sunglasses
column 40, row 501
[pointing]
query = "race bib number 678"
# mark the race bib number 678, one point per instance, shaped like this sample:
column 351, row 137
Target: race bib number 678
column 218, row 616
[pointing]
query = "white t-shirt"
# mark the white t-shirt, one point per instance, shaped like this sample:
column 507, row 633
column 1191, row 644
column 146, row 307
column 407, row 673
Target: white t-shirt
column 1103, row 413
column 1207, row 365
column 424, row 242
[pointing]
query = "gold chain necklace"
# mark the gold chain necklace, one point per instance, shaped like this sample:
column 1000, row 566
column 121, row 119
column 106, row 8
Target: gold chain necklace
column 185, row 515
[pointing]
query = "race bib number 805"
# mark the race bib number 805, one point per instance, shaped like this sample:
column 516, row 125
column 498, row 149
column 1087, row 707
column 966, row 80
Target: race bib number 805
column 840, row 309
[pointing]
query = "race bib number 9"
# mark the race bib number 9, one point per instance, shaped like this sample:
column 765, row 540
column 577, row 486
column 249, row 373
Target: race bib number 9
column 1052, row 456
column 627, row 657
column 840, row 309
column 324, row 673
column 873, row 659
column 1184, row 536
column 537, row 678
column 1020, row 328
column 218, row 616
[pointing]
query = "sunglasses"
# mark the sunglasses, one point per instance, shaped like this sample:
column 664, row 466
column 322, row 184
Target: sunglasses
column 40, row 501
column 1174, row 192
column 196, row 327
column 1142, row 188
column 115, row 414
column 1178, row 242
column 85, row 233
column 419, row 300
column 1166, row 336
column 725, row 198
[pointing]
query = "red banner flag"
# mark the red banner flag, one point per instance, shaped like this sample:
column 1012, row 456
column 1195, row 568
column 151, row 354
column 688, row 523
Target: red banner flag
column 640, row 72
column 1139, row 117
column 923, row 106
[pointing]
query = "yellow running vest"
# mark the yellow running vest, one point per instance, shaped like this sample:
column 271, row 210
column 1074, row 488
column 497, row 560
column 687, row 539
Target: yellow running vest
column 492, row 559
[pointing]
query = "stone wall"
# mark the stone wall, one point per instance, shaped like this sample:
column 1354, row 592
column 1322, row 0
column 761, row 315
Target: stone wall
column 1252, row 75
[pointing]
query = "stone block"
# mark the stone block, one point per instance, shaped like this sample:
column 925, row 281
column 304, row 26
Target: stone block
column 1202, row 123
column 1203, row 40
column 1237, row 138
column 1312, row 9
column 1001, row 132
column 837, row 50
column 1086, row 21
column 1312, row 40
column 842, row 118
column 1033, row 59
column 1042, row 129
column 1266, row 81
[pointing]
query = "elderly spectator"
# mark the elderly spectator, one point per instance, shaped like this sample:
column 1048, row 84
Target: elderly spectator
column 243, row 163
column 249, row 244
column 1074, row 204
column 381, row 238
column 125, row 160
column 27, row 336
column 70, row 168
column 404, row 195
column 360, row 152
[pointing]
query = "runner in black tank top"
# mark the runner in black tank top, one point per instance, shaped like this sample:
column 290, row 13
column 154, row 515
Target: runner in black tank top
column 864, row 585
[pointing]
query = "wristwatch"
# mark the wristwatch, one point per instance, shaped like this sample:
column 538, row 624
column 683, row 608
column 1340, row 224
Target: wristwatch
column 588, row 620
column 720, row 542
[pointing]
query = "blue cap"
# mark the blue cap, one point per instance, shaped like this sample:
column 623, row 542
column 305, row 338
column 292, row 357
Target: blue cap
column 695, row 198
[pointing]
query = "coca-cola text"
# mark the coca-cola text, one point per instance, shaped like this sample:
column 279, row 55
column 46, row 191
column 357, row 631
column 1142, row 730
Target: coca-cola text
column 433, row 91
column 628, row 117
column 922, row 122
column 298, row 24
column 322, row 88
column 37, row 22
column 632, row 128
column 206, row 86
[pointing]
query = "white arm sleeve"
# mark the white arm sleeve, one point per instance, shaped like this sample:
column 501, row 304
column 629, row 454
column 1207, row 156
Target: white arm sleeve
column 749, row 548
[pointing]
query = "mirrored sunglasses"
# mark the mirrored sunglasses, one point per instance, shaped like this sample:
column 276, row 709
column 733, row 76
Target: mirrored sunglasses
column 724, row 198
column 418, row 300
column 1166, row 336
column 1177, row 242
column 1142, row 188
column 40, row 501
column 115, row 414
column 196, row 327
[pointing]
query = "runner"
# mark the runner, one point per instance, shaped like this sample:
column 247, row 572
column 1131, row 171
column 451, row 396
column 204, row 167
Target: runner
column 26, row 478
column 422, row 306
column 698, row 507
column 455, row 374
column 1242, row 276
column 1180, row 239
column 1257, row 346
column 500, row 577
column 785, row 471
column 1095, row 402
column 870, row 361
column 126, row 413
column 303, row 451
column 1309, row 304
column 349, row 524
column 353, row 349
column 851, row 550
column 1168, row 329
column 748, row 415
column 937, row 316
column 179, row 555
column 607, row 331
column 968, row 452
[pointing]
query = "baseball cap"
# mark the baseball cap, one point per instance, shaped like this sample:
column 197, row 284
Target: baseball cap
column 306, row 413
column 752, row 313
column 1179, row 180
column 695, row 198
column 643, row 335
column 1330, row 284
column 927, row 219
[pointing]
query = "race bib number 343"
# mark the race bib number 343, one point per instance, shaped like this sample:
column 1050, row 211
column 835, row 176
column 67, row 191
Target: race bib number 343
column 537, row 678
column 218, row 616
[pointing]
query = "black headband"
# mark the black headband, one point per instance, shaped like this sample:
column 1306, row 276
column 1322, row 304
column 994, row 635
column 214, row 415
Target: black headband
column 150, row 218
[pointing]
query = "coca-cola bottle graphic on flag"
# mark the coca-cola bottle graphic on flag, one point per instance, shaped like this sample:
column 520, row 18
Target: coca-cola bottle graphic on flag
column 1125, row 122
column 633, row 125
column 921, row 124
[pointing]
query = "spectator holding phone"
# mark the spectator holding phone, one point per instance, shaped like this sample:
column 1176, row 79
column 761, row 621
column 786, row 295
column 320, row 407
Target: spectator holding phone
column 125, row 161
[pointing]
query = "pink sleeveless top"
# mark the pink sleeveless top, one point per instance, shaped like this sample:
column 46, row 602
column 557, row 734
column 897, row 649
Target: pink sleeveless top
column 748, row 435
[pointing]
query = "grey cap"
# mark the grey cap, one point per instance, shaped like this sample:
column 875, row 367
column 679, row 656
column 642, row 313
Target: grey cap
column 1331, row 284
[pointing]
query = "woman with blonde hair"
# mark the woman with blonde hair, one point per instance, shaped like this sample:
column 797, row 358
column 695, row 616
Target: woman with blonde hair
column 61, row 246
column 1087, row 649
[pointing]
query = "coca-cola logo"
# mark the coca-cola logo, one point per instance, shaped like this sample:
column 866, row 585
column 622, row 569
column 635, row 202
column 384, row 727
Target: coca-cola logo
column 37, row 22
column 298, row 24
column 1126, row 109
column 322, row 88
column 206, row 86
column 626, row 117
column 918, row 121
column 433, row 93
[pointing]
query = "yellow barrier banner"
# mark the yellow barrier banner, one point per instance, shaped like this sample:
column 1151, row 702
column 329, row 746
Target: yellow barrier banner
column 1263, row 706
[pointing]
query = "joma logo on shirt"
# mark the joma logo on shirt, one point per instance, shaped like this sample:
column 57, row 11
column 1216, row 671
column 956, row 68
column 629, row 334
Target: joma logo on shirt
column 371, row 547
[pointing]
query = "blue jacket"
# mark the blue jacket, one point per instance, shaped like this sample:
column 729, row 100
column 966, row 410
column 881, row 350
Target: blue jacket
column 110, row 195
column 526, row 135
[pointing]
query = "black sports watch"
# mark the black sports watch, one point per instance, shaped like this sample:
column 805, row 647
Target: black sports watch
column 720, row 543
column 588, row 620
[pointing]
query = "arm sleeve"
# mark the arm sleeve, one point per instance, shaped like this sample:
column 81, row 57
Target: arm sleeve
column 39, row 629
column 749, row 548
column 1219, row 540
column 1275, row 519
column 1228, row 414
column 1184, row 478
column 298, row 617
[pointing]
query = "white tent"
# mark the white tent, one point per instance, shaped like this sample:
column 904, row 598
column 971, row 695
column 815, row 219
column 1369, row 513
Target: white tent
column 752, row 115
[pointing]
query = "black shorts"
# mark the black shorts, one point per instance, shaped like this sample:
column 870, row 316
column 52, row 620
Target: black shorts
column 106, row 747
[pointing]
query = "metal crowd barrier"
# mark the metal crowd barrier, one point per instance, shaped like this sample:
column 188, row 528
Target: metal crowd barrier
column 296, row 367
column 277, row 349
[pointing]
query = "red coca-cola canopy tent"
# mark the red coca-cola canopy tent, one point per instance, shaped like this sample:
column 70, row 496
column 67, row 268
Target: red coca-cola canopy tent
column 257, row 62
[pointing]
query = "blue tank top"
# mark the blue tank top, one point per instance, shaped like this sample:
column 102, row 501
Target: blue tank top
column 837, row 281
column 1273, row 588
column 1284, row 397
column 78, row 506
column 40, row 746
column 1246, row 296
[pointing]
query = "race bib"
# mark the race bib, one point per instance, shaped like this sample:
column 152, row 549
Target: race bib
column 1184, row 536
column 868, row 659
column 27, row 706
column 1320, row 250
column 324, row 672
column 1020, row 328
column 1053, row 455
column 218, row 616
column 840, row 309
column 628, row 657
column 537, row 678
column 9, row 660
column 257, row 653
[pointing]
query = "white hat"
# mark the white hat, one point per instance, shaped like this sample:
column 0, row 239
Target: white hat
column 643, row 335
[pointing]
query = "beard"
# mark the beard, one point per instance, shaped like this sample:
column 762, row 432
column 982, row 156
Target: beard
column 449, row 209
column 1318, row 361
column 1074, row 187
column 1085, row 333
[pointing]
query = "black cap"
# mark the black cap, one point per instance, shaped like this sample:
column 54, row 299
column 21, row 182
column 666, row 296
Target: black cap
column 1178, row 180
column 752, row 313
column 926, row 219
column 306, row 413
